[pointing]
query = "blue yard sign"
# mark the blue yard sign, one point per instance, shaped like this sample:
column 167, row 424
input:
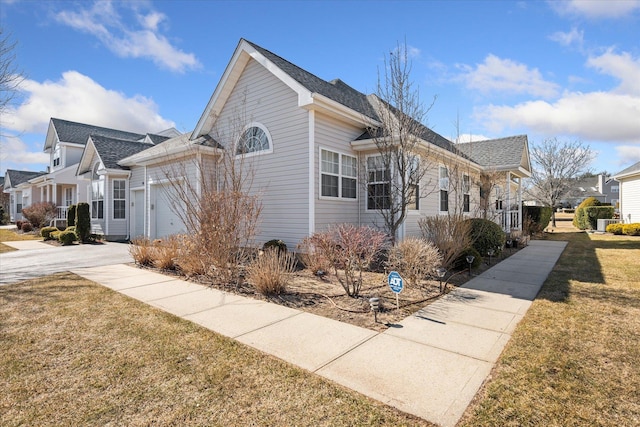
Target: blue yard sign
column 395, row 282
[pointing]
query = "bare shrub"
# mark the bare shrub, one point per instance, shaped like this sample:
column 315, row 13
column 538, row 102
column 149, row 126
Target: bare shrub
column 311, row 257
column 192, row 259
column 349, row 250
column 165, row 253
column 414, row 259
column 451, row 234
column 141, row 250
column 270, row 272
column 40, row 214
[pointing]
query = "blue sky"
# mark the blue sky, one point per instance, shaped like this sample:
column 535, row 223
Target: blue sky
column 565, row 69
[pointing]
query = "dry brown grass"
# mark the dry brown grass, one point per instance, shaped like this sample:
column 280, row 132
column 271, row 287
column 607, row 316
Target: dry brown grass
column 75, row 353
column 271, row 271
column 12, row 236
column 575, row 358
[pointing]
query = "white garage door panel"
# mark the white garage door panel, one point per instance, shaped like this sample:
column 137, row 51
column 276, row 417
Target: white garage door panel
column 167, row 222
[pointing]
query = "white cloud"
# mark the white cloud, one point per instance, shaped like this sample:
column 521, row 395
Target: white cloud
column 103, row 21
column 628, row 154
column 596, row 8
column 504, row 75
column 621, row 66
column 470, row 137
column 573, row 37
column 79, row 98
column 14, row 151
column 601, row 116
column 609, row 116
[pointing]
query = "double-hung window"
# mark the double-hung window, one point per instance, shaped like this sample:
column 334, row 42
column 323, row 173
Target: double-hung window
column 378, row 184
column 119, row 202
column 444, row 189
column 97, row 194
column 413, row 202
column 338, row 175
column 466, row 197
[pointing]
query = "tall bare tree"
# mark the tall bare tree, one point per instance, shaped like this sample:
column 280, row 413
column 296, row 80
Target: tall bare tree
column 556, row 164
column 10, row 76
column 403, row 160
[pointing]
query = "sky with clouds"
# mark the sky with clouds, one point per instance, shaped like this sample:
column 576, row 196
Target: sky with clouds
column 565, row 69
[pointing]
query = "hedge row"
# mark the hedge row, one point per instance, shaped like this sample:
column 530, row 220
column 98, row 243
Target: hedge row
column 628, row 229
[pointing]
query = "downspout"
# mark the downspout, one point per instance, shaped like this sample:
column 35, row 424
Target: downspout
column 311, row 166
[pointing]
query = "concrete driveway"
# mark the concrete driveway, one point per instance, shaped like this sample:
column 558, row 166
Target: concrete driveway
column 30, row 263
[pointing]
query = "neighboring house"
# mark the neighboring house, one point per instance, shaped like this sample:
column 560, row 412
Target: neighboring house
column 312, row 158
column 21, row 194
column 605, row 189
column 65, row 143
column 629, row 179
column 4, row 200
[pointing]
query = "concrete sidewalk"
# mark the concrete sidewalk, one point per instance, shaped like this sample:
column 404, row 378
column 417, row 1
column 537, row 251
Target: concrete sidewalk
column 430, row 365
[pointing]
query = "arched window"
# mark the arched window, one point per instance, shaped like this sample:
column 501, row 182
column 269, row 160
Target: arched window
column 254, row 139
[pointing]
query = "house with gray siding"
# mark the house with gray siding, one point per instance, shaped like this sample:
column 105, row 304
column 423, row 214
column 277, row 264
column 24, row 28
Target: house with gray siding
column 306, row 143
column 629, row 180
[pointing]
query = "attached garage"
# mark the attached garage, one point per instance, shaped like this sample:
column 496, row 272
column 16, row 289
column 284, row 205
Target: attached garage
column 164, row 219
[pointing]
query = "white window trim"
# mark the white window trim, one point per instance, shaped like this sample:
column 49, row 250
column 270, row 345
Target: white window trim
column 113, row 199
column 440, row 188
column 366, row 177
column 340, row 198
column 254, row 153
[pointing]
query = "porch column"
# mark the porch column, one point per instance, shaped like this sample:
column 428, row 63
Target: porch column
column 54, row 194
column 42, row 194
column 508, row 219
column 520, row 203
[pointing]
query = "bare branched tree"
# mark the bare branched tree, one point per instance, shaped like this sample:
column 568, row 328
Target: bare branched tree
column 403, row 160
column 212, row 195
column 10, row 76
column 556, row 165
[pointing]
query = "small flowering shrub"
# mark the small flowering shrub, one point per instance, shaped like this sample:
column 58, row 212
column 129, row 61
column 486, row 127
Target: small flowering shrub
column 349, row 250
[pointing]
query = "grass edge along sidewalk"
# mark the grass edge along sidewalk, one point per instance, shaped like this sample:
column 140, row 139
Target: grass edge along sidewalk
column 575, row 357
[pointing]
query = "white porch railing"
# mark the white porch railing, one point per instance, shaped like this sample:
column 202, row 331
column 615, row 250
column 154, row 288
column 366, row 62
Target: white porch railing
column 514, row 220
column 61, row 212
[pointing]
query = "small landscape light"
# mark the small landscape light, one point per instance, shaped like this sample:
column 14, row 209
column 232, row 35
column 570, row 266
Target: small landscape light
column 470, row 259
column 441, row 271
column 375, row 307
column 490, row 252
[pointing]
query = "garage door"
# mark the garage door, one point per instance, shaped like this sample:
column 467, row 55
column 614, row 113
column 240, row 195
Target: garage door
column 166, row 220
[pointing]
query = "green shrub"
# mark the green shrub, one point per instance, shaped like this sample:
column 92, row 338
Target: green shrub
column 83, row 222
column 71, row 216
column 615, row 228
column 55, row 235
column 631, row 229
column 26, row 227
column 277, row 244
column 461, row 262
column 538, row 215
column 3, row 219
column 485, row 235
column 580, row 219
column 45, row 232
column 591, row 215
column 67, row 237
